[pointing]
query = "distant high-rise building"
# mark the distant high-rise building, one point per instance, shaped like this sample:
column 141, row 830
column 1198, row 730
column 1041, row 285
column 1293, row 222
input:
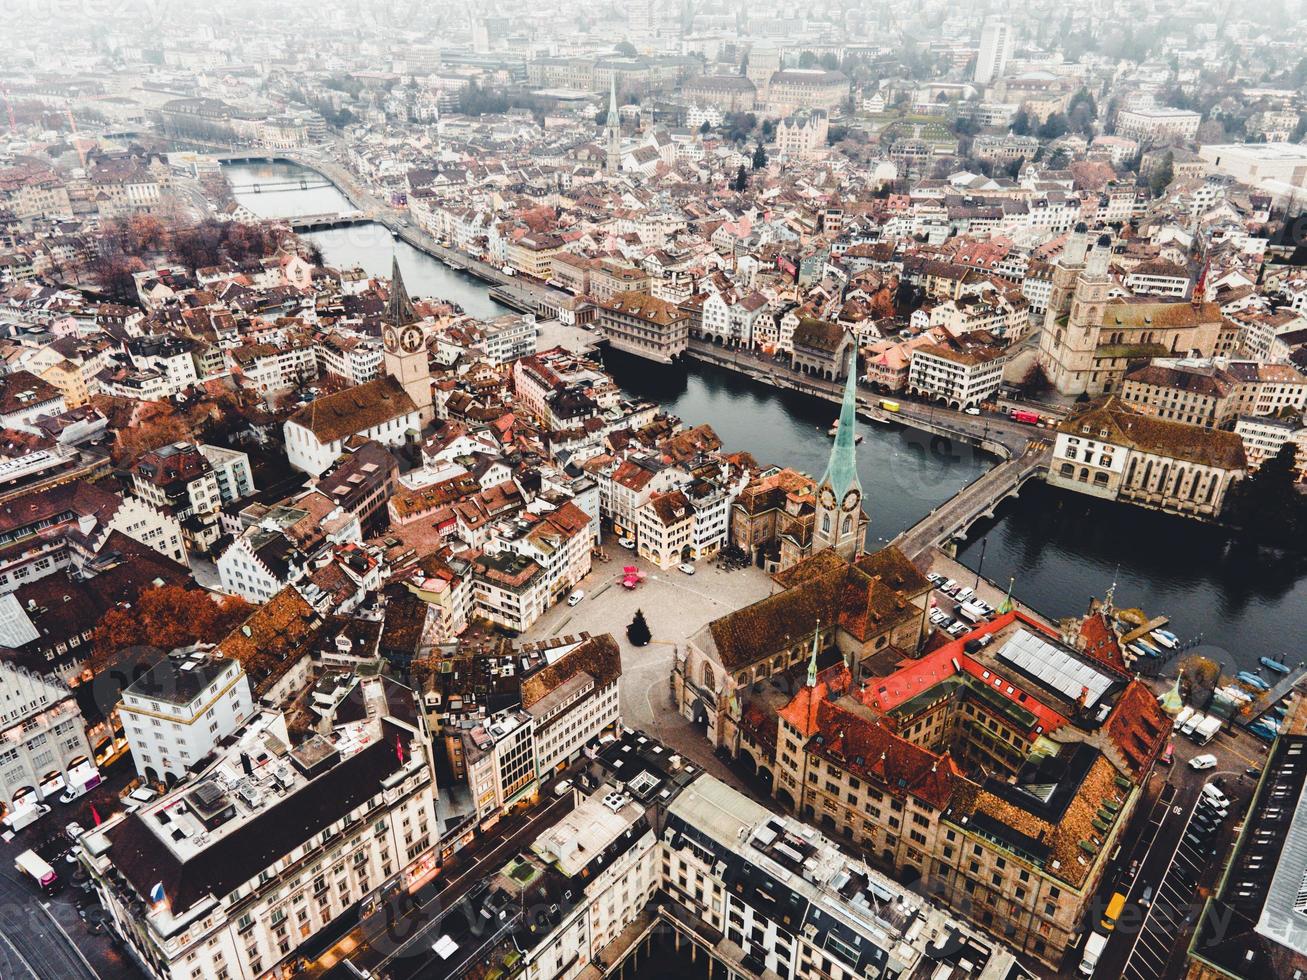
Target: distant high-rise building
column 995, row 49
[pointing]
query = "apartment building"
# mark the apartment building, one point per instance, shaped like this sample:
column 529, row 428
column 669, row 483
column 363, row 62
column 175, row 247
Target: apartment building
column 231, row 470
column 570, row 693
column 1159, row 124
column 1263, row 438
column 236, row 868
column 501, row 764
column 962, row 377
column 179, row 481
column 643, row 325
column 176, row 712
column 532, row 255
column 509, row 589
column 666, row 529
column 43, row 744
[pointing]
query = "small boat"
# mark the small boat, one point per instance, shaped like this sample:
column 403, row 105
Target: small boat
column 1152, row 650
column 1166, row 638
column 1139, row 650
column 1252, row 680
column 1234, row 694
column 1274, row 665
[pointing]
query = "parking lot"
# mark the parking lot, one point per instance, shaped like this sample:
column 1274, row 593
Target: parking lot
column 947, row 599
column 1171, row 906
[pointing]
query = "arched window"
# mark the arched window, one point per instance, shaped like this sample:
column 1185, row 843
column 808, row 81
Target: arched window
column 825, row 523
column 1148, row 473
column 1130, row 476
column 707, row 677
column 1068, row 470
column 847, row 528
column 1211, row 487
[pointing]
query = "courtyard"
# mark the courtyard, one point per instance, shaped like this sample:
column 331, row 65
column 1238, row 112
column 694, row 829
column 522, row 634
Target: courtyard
column 676, row 606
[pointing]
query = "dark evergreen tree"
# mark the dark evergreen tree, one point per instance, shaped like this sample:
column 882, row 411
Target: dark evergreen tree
column 1268, row 506
column 638, row 631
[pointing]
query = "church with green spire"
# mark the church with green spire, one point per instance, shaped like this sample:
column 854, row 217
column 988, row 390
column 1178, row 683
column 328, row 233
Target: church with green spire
column 840, row 521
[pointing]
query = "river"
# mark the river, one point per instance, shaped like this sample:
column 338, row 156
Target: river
column 1060, row 547
column 369, row 246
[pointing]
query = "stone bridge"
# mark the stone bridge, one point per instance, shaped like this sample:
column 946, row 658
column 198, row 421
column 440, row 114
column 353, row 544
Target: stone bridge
column 954, row 518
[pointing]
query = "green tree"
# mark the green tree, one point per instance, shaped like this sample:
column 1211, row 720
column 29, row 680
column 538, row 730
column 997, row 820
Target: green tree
column 741, row 180
column 807, row 60
column 1162, row 174
column 1054, row 127
column 625, row 48
column 759, row 157
column 1021, row 123
column 1267, row 506
column 638, row 630
column 1081, row 113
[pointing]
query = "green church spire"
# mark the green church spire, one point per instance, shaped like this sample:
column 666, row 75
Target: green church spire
column 812, row 662
column 842, row 470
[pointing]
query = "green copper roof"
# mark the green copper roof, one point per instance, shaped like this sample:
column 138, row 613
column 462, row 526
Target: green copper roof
column 842, row 470
column 399, row 308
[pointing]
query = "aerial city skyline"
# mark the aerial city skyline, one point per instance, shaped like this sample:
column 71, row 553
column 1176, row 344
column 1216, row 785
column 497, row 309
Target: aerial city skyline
column 653, row 490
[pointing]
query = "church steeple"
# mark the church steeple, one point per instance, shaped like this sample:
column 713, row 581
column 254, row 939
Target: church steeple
column 399, row 308
column 812, row 661
column 840, row 521
column 613, row 126
column 842, row 470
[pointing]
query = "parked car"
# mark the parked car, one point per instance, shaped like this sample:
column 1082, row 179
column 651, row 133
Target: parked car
column 938, row 617
column 575, row 597
column 1205, row 761
column 934, row 578
column 965, row 595
column 686, row 567
column 73, row 831
column 949, row 586
column 971, row 410
column 958, row 629
column 627, row 543
column 1168, row 754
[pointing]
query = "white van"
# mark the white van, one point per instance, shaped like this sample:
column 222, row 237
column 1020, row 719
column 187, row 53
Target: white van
column 1094, row 947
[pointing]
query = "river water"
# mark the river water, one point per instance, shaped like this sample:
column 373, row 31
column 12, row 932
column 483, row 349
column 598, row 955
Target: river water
column 369, row 246
column 1061, row 548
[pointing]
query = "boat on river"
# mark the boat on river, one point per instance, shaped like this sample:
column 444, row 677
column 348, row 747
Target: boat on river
column 1274, row 665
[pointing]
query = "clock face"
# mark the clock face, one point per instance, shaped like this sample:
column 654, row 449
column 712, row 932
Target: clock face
column 851, row 500
column 827, row 498
column 390, row 338
column 411, row 339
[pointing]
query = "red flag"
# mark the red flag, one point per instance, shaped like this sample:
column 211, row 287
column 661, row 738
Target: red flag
column 399, row 749
column 95, row 815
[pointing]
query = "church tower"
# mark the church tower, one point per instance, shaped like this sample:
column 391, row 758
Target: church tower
column 613, row 125
column 405, row 345
column 841, row 522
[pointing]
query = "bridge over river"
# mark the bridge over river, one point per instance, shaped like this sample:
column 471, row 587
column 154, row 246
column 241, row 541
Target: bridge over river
column 952, row 519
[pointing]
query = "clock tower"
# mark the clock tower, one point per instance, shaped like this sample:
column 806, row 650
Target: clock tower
column 840, row 521
column 406, row 346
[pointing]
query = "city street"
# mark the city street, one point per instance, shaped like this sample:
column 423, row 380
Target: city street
column 46, row 937
column 399, row 936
